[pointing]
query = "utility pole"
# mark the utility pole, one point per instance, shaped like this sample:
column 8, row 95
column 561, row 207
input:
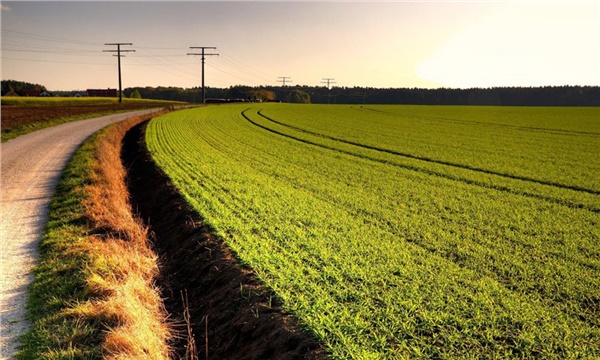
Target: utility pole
column 203, row 58
column 328, row 81
column 118, row 51
column 284, row 79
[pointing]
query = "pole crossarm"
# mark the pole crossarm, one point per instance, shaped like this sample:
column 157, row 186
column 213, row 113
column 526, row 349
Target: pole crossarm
column 284, row 79
column 328, row 81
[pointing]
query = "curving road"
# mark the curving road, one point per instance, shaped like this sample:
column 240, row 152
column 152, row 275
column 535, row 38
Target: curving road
column 31, row 167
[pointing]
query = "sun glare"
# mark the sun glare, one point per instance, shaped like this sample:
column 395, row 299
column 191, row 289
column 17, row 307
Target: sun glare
column 521, row 45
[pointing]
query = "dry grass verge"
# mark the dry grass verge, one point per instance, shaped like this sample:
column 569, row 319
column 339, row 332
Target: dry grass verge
column 123, row 267
column 94, row 293
column 95, row 296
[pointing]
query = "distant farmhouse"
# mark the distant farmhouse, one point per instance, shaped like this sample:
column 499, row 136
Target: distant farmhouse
column 102, row 92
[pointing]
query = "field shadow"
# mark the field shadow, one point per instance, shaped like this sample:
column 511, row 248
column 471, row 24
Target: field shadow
column 232, row 315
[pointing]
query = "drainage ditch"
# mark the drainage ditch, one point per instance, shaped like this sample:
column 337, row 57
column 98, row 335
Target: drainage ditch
column 231, row 315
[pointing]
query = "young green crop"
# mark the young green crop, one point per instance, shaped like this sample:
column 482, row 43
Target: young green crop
column 399, row 231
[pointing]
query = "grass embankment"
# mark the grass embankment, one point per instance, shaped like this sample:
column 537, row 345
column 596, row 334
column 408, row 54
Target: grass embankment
column 94, row 294
column 22, row 115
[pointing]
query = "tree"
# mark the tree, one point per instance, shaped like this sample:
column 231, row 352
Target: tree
column 298, row 96
column 135, row 94
column 237, row 92
column 261, row 95
column 20, row 87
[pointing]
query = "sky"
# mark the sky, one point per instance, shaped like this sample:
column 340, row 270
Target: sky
column 385, row 44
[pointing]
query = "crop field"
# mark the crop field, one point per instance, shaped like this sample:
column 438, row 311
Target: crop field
column 53, row 101
column 406, row 231
column 22, row 115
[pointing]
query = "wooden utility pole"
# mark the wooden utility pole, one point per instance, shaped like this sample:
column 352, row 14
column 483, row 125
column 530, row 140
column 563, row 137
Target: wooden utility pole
column 328, row 81
column 118, row 51
column 284, row 79
column 203, row 58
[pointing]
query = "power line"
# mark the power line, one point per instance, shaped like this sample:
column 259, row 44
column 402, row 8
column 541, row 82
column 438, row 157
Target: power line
column 65, row 52
column 37, row 37
column 245, row 67
column 158, row 48
column 248, row 74
column 171, row 70
column 203, row 54
column 55, row 62
column 232, row 75
column 118, row 51
column 183, row 69
column 284, row 79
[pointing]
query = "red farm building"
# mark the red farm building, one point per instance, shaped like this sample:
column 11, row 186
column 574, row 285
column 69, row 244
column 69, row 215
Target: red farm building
column 102, row 92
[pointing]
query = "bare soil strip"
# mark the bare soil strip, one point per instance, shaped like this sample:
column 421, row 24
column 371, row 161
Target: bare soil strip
column 18, row 115
column 232, row 315
column 31, row 167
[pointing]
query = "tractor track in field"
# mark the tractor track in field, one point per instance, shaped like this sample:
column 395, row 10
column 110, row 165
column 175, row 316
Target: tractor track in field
column 431, row 172
column 436, row 161
column 232, row 315
column 506, row 126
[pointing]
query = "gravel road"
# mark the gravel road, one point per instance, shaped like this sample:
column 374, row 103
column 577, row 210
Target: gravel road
column 31, row 167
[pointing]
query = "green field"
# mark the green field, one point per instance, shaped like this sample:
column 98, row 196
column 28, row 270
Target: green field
column 407, row 231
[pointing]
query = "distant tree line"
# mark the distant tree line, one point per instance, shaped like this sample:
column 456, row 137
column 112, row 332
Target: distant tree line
column 239, row 92
column 515, row 96
column 20, row 88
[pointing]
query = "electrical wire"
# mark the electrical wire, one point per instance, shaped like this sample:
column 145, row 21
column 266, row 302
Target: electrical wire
column 46, row 38
column 156, row 58
column 57, row 62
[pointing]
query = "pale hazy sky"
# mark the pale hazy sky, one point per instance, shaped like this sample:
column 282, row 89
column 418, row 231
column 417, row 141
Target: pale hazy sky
column 379, row 44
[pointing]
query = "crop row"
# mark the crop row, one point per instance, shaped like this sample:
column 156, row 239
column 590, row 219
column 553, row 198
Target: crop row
column 383, row 255
column 559, row 149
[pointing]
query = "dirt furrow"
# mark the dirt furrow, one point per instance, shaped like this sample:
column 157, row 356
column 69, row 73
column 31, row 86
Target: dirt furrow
column 232, row 315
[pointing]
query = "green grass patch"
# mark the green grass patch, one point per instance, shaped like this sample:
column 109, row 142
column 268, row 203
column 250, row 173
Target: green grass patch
column 61, row 273
column 407, row 231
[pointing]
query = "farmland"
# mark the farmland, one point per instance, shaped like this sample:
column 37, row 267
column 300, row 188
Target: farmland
column 22, row 115
column 406, row 231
